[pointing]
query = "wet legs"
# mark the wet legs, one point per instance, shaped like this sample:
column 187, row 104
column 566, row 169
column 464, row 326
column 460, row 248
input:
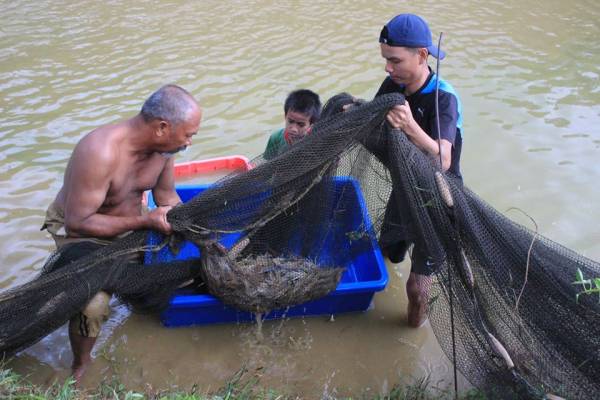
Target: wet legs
column 82, row 358
column 417, row 290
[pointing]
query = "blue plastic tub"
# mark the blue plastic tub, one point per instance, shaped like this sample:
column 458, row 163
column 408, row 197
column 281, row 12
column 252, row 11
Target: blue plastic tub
column 344, row 245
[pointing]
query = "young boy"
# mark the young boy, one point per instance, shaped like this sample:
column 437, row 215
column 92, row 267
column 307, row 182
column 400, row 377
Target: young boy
column 302, row 109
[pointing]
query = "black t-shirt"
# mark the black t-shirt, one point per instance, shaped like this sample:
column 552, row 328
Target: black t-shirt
column 422, row 106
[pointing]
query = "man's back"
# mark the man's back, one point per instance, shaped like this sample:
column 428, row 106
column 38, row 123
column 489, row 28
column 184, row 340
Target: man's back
column 104, row 158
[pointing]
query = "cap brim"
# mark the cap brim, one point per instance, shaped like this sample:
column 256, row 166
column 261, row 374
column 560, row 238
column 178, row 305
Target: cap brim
column 435, row 52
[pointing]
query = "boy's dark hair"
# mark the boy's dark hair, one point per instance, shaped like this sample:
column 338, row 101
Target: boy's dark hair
column 336, row 104
column 304, row 101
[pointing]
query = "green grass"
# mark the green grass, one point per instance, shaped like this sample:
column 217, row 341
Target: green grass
column 589, row 286
column 240, row 387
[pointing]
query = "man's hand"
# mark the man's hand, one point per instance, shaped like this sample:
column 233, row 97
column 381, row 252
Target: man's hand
column 157, row 220
column 355, row 103
column 400, row 117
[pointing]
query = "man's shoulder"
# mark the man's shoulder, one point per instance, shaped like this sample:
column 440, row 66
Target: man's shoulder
column 99, row 146
column 445, row 87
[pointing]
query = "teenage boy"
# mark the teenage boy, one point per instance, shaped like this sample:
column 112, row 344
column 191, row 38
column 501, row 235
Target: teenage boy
column 405, row 43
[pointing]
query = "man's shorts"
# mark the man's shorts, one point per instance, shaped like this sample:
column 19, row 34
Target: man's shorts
column 88, row 322
column 421, row 264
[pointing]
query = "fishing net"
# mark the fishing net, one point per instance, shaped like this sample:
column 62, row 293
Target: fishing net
column 502, row 303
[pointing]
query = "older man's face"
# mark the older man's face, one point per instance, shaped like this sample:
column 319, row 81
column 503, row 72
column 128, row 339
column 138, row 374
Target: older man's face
column 181, row 134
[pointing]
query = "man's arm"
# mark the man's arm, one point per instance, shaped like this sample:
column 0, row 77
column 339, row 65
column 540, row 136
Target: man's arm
column 164, row 192
column 86, row 187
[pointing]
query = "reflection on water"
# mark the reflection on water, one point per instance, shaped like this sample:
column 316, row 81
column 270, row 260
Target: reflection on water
column 527, row 75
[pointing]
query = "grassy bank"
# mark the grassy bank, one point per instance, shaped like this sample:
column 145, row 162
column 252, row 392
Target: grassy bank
column 239, row 387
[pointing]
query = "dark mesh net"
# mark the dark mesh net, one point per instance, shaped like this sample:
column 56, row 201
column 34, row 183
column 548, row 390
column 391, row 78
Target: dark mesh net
column 518, row 329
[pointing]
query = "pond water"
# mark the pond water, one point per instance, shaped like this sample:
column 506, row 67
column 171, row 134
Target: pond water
column 528, row 77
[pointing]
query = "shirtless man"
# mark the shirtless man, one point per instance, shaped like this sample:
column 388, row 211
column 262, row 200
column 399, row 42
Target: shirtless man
column 104, row 182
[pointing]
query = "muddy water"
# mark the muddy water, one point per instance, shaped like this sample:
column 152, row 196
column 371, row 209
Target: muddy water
column 528, row 78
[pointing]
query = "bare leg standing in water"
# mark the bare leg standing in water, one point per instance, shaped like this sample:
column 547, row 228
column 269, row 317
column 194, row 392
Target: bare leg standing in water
column 417, row 290
column 82, row 348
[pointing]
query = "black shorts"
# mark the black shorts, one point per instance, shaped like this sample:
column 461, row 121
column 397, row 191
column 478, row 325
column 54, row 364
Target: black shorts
column 421, row 264
column 74, row 251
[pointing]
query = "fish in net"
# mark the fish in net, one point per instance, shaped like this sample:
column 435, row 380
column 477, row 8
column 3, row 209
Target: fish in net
column 263, row 283
column 518, row 329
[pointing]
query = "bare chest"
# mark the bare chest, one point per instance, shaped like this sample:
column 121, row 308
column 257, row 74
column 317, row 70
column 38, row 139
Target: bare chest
column 132, row 177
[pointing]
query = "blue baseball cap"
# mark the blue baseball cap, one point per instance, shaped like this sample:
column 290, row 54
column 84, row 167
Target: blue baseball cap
column 409, row 30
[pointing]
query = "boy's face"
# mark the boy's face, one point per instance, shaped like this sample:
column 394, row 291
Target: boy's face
column 297, row 125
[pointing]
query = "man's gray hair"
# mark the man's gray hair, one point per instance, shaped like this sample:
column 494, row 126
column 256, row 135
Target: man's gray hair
column 170, row 103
